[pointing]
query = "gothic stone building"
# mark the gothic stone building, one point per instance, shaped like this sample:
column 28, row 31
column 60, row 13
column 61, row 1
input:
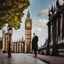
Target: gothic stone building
column 16, row 47
column 55, row 44
column 5, row 41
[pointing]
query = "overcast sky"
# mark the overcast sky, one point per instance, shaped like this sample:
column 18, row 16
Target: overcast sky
column 39, row 13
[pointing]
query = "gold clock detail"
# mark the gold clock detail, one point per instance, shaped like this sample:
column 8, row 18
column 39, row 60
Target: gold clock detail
column 28, row 24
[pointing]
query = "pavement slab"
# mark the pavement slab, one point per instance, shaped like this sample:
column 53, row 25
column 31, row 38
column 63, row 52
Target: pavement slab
column 19, row 59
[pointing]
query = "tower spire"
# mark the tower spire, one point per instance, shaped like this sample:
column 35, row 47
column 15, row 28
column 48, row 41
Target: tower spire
column 49, row 14
column 52, row 9
column 57, row 3
column 28, row 15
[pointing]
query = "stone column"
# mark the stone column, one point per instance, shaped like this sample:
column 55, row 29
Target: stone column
column 12, row 47
column 49, row 38
column 3, row 40
column 55, row 47
column 63, row 26
column 21, row 47
column 58, row 28
column 18, row 47
column 15, row 47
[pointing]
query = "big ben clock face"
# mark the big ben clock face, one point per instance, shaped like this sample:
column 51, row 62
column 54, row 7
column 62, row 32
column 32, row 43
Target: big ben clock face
column 28, row 24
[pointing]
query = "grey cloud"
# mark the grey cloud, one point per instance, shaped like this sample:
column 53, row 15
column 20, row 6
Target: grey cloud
column 40, row 28
column 43, row 12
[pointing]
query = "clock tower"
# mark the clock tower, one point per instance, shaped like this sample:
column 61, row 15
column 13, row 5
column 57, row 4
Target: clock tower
column 28, row 33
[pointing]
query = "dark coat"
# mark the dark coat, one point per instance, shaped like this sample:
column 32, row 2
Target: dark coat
column 35, row 43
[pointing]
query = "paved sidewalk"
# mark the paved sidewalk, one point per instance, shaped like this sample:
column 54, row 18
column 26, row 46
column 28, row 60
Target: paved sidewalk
column 50, row 59
column 19, row 59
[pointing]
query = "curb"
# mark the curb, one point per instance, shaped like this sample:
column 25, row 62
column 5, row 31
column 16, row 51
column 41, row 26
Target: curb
column 42, row 60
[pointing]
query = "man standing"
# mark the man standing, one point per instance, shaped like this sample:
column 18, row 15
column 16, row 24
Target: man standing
column 35, row 43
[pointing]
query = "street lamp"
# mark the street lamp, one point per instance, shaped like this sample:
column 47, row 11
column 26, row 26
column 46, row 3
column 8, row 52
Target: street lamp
column 9, row 41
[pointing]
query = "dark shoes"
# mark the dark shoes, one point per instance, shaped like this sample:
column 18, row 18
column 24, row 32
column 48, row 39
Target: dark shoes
column 35, row 56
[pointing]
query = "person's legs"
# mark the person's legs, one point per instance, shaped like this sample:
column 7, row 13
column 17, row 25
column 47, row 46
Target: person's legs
column 35, row 53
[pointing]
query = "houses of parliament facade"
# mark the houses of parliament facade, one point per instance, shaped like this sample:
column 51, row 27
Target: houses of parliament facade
column 21, row 46
column 16, row 47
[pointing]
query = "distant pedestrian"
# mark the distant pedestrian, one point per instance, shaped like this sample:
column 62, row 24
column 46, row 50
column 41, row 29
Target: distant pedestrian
column 35, row 43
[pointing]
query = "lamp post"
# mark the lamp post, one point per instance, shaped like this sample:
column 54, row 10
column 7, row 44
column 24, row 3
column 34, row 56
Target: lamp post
column 9, row 41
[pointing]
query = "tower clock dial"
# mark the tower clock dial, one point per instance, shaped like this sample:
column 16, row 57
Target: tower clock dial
column 28, row 24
